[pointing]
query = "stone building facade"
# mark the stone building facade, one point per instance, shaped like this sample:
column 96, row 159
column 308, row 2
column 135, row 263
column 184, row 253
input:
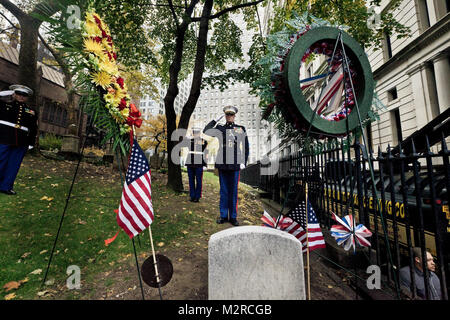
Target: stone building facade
column 52, row 98
column 413, row 73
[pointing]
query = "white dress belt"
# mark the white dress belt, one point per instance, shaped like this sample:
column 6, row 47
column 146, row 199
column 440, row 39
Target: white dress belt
column 10, row 124
column 195, row 152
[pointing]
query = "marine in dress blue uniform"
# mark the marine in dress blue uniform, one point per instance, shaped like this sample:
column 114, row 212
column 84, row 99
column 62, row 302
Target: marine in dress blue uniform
column 232, row 156
column 195, row 162
column 18, row 129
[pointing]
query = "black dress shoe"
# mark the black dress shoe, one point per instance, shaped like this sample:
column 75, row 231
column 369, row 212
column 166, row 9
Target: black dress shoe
column 195, row 200
column 221, row 220
column 9, row 192
column 191, row 200
column 234, row 222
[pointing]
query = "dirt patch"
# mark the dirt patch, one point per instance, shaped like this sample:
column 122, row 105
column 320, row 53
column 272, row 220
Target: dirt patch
column 189, row 257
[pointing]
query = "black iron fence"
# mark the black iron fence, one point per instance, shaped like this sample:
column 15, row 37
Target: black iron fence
column 405, row 203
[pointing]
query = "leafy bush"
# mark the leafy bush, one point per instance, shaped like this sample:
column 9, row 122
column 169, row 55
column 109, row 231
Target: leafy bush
column 50, row 142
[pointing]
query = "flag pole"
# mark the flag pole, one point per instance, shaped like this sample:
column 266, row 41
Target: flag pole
column 307, row 244
column 155, row 263
column 158, row 281
column 119, row 160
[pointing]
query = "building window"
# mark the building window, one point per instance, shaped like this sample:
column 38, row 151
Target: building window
column 369, row 137
column 396, row 127
column 64, row 118
column 387, row 50
column 392, row 94
column 424, row 17
column 46, row 111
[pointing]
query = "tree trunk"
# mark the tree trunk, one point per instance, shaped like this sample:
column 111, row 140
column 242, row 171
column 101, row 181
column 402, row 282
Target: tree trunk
column 199, row 67
column 29, row 32
column 174, row 180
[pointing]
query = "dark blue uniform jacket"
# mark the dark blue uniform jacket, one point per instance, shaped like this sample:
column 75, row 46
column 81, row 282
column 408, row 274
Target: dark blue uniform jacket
column 233, row 145
column 14, row 118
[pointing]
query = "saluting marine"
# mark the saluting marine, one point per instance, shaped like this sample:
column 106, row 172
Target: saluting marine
column 18, row 129
column 195, row 162
column 232, row 156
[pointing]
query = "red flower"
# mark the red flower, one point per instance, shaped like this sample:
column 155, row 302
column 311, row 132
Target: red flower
column 123, row 104
column 115, row 55
column 120, row 81
column 130, row 121
column 98, row 21
column 138, row 123
column 98, row 39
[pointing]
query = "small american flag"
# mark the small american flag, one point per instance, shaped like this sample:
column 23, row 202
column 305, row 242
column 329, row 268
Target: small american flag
column 136, row 209
column 298, row 226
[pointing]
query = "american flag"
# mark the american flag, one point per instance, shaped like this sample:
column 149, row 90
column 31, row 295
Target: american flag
column 136, row 210
column 298, row 226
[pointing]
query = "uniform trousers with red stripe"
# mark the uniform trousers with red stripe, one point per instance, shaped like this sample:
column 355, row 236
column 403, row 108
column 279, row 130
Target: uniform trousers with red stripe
column 195, row 182
column 229, row 182
column 10, row 160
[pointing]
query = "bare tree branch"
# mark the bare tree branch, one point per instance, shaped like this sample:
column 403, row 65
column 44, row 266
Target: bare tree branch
column 15, row 10
column 224, row 11
column 172, row 9
column 10, row 22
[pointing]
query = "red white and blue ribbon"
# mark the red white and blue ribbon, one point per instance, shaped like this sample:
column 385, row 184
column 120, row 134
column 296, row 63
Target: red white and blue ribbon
column 348, row 235
column 281, row 223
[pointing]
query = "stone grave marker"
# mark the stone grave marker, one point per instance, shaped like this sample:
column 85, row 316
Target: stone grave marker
column 255, row 263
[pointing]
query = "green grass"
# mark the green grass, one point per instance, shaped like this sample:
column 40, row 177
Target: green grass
column 30, row 220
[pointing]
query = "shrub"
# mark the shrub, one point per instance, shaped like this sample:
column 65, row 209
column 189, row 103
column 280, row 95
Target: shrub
column 50, row 142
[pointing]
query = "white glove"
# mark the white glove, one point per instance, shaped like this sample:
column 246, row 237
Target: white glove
column 218, row 119
column 205, row 168
column 30, row 147
column 242, row 166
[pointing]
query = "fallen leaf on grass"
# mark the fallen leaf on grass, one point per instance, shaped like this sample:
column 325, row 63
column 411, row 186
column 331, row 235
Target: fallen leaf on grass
column 43, row 251
column 161, row 244
column 330, row 287
column 185, row 232
column 37, row 271
column 10, row 296
column 81, row 221
column 26, row 254
column 50, row 282
column 47, row 198
column 43, row 293
column 12, row 285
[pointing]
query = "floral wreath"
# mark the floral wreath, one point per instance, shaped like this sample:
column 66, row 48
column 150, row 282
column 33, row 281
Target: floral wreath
column 325, row 48
column 104, row 72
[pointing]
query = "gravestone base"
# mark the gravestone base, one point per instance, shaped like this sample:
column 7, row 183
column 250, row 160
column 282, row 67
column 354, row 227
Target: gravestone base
column 255, row 263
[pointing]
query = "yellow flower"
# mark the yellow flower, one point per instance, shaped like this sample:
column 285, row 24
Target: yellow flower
column 92, row 29
column 107, row 45
column 90, row 45
column 102, row 79
column 111, row 99
column 125, row 112
column 109, row 67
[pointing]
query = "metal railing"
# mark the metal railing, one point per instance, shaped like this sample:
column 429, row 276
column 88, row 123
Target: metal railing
column 408, row 199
